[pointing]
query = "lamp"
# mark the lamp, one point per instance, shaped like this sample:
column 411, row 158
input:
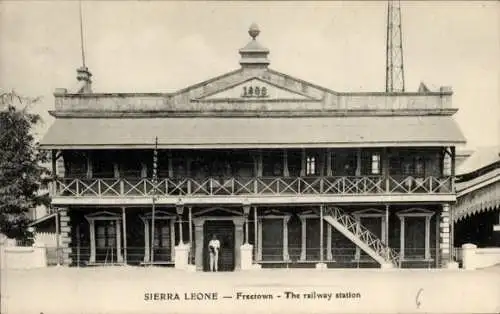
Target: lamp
column 246, row 207
column 179, row 207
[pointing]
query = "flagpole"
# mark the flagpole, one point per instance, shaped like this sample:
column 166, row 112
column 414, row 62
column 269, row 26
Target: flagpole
column 155, row 179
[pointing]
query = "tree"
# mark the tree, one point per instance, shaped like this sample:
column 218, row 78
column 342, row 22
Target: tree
column 21, row 165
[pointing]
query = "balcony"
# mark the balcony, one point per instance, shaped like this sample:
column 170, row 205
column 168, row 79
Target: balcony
column 252, row 186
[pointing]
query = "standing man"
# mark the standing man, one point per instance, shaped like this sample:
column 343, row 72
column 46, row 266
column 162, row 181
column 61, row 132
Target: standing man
column 214, row 247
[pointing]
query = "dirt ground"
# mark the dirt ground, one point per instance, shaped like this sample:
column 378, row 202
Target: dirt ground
column 161, row 290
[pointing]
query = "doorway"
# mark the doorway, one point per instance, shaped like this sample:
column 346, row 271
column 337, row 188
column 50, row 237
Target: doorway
column 224, row 230
column 105, row 241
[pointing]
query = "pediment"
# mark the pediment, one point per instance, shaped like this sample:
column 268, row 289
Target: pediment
column 369, row 212
column 415, row 212
column 159, row 214
column 103, row 215
column 219, row 211
column 255, row 89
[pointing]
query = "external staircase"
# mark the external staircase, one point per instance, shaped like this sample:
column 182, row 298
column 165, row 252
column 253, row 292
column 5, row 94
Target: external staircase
column 362, row 237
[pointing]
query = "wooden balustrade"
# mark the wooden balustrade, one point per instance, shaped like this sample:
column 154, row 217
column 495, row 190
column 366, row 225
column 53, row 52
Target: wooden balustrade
column 231, row 186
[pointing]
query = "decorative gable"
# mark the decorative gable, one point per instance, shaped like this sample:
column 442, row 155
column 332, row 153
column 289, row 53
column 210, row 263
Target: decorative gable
column 103, row 215
column 255, row 89
column 369, row 212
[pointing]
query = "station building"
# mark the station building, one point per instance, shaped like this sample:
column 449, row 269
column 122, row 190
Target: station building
column 306, row 175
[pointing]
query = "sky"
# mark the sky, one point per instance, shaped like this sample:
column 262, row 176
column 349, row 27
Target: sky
column 156, row 46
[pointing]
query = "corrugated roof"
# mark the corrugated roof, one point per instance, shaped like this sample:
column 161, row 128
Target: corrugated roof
column 240, row 132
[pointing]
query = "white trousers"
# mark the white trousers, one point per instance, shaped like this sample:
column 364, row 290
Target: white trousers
column 214, row 261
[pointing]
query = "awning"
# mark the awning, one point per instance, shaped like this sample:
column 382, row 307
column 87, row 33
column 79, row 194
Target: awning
column 253, row 132
column 486, row 198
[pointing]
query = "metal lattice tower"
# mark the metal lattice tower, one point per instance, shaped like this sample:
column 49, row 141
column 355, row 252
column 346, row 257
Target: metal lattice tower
column 394, row 75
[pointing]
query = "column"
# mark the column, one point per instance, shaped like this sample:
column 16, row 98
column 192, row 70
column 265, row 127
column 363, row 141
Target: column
column 119, row 256
column 179, row 209
column 453, row 163
column 358, row 162
column 190, row 221
column 170, row 167
column 328, row 162
column 357, row 255
column 436, row 231
column 329, row 242
column 382, row 231
column 238, row 241
column 386, row 239
column 172, row 239
column 444, row 231
column 259, row 238
column 58, row 238
column 92, row 240
column 303, row 162
column 124, row 219
column 321, row 164
column 303, row 225
column 65, row 236
column 385, row 169
column 181, row 240
column 427, row 237
column 259, row 164
column 402, row 237
column 321, row 255
column 286, row 257
column 256, row 242
column 198, row 238
column 146, row 240
column 116, row 170
column 53, row 160
column 89, row 165
column 286, row 173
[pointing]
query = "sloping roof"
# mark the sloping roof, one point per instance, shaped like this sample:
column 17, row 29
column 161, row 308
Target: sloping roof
column 244, row 132
column 480, row 158
column 42, row 219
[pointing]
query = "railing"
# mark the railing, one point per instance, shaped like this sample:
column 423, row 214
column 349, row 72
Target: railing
column 252, row 186
column 343, row 257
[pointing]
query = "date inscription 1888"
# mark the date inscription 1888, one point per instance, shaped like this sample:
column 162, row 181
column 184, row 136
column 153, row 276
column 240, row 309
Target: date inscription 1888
column 255, row 91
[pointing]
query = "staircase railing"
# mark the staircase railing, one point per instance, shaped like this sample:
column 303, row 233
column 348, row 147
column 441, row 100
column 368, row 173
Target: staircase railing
column 364, row 234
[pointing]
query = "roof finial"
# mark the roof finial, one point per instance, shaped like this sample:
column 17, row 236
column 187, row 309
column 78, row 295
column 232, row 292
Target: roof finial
column 254, row 31
column 83, row 74
column 254, row 55
column 81, row 35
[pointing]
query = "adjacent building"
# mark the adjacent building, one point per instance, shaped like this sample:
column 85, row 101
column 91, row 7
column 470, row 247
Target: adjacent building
column 306, row 175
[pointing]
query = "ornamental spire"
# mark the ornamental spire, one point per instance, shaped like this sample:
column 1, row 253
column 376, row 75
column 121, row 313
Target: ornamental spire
column 254, row 55
column 83, row 74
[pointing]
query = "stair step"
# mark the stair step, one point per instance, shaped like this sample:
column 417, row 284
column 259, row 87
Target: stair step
column 361, row 236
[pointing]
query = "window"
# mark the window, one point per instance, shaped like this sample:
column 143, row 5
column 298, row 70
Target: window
column 375, row 164
column 310, row 166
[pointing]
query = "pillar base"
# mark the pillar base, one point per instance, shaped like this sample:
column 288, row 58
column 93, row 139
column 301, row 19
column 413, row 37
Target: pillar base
column 181, row 257
column 386, row 266
column 246, row 256
column 321, row 266
column 452, row 265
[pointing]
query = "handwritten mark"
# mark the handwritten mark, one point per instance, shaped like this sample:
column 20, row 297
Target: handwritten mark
column 417, row 298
